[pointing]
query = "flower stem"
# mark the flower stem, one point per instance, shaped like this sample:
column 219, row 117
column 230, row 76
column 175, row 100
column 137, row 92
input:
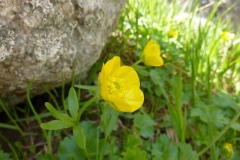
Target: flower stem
column 90, row 101
column 218, row 137
column 105, row 130
column 136, row 63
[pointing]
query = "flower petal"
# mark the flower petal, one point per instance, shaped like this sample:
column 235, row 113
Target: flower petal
column 102, row 83
column 130, row 102
column 112, row 65
column 128, row 76
column 153, row 61
column 106, row 71
column 151, row 49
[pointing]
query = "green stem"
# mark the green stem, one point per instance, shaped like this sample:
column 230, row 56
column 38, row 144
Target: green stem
column 52, row 96
column 104, row 119
column 4, row 139
column 213, row 147
column 14, row 152
column 87, row 154
column 63, row 95
column 136, row 63
column 218, row 137
column 11, row 118
column 90, row 101
column 105, row 130
column 37, row 115
column 97, row 143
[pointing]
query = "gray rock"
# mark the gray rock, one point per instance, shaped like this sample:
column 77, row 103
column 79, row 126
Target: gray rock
column 45, row 39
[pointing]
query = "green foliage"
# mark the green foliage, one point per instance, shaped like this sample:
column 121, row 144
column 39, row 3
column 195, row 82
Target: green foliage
column 144, row 124
column 132, row 141
column 162, row 149
column 134, row 154
column 4, row 155
column 79, row 135
column 65, row 121
column 186, row 152
column 56, row 125
column 46, row 157
column 191, row 102
column 69, row 146
column 109, row 120
column 73, row 105
column 68, row 149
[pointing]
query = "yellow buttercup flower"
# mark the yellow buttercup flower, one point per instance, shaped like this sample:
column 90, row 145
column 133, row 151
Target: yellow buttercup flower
column 226, row 36
column 151, row 54
column 227, row 150
column 120, row 86
column 172, row 33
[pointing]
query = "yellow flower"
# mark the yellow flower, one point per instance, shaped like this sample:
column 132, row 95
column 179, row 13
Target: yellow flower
column 226, row 36
column 120, row 86
column 151, row 54
column 172, row 33
column 227, row 150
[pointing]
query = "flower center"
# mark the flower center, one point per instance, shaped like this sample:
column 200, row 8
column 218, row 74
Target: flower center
column 115, row 87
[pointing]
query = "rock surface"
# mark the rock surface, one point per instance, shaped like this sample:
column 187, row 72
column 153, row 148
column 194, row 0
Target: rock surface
column 45, row 39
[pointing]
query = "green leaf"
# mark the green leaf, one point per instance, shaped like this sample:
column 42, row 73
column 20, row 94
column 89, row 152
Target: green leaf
column 144, row 124
column 162, row 149
column 132, row 141
column 8, row 126
column 94, row 144
column 134, row 154
column 73, row 103
column 111, row 118
column 171, row 153
column 4, row 155
column 154, row 74
column 47, row 156
column 112, row 122
column 186, row 151
column 86, row 87
column 56, row 114
column 68, row 150
column 56, row 124
column 79, row 135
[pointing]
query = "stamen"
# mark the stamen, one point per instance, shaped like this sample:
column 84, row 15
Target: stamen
column 115, row 87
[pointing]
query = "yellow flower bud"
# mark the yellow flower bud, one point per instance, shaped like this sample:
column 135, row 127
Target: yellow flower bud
column 172, row 33
column 227, row 150
column 151, row 54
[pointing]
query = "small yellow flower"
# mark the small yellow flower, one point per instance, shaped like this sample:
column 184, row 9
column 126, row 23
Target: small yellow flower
column 227, row 150
column 151, row 54
column 172, row 33
column 120, row 86
column 226, row 36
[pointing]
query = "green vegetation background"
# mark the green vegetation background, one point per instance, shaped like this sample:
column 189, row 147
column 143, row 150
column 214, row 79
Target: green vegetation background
column 192, row 103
